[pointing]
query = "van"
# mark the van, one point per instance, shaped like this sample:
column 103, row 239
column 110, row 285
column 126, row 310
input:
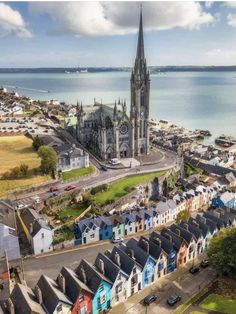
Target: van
column 114, row 161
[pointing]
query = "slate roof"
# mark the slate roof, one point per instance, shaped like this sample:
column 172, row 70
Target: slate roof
column 219, row 222
column 154, row 249
column 197, row 232
column 9, row 242
column 177, row 241
column 25, row 301
column 68, row 150
column 166, row 245
column 227, row 196
column 51, row 293
column 140, row 255
column 126, row 263
column 162, row 207
column 116, row 219
column 93, row 277
column 111, row 269
column 7, row 214
column 186, row 235
column 33, row 220
column 212, row 225
column 73, row 286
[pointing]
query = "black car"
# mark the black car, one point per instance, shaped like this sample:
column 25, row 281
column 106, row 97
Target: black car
column 204, row 263
column 150, row 299
column 194, row 270
column 173, row 299
column 104, row 168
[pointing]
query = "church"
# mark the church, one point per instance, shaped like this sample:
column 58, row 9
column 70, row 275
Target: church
column 107, row 129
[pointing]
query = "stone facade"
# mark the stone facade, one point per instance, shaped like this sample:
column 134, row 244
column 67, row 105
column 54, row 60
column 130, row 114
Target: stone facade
column 107, row 129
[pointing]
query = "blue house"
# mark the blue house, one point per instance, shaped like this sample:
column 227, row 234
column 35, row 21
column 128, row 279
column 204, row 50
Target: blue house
column 142, row 257
column 98, row 284
column 225, row 200
column 106, row 228
column 147, row 217
column 168, row 248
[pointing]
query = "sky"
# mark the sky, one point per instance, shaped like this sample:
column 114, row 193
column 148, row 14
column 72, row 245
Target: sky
column 96, row 34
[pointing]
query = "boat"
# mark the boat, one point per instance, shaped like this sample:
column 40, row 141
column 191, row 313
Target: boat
column 225, row 141
column 84, row 71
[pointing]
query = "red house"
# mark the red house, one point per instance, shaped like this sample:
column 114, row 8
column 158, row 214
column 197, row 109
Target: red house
column 76, row 291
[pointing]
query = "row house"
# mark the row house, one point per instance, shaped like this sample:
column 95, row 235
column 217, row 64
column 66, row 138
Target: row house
column 118, row 278
column 86, row 231
column 98, row 284
column 157, row 253
column 130, row 267
column 168, row 249
column 180, row 246
column 198, row 235
column 189, row 239
column 79, row 293
column 143, row 258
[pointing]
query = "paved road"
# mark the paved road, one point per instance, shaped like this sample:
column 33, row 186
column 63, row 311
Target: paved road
column 101, row 177
column 180, row 282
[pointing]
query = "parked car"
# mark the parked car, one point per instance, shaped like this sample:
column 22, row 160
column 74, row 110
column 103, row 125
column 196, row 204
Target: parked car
column 54, row 189
column 117, row 239
column 173, row 299
column 37, row 200
column 70, row 187
column 204, row 263
column 21, row 206
column 104, row 168
column 150, row 299
column 194, row 270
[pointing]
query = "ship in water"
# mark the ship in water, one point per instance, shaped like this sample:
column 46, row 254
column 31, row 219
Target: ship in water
column 225, row 141
column 77, row 71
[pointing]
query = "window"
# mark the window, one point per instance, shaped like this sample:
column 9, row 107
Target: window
column 101, row 287
column 81, row 297
column 119, row 288
column 59, row 308
column 92, row 236
column 42, row 235
column 103, row 298
column 134, row 270
column 83, row 309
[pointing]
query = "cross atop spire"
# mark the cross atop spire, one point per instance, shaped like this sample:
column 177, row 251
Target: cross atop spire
column 140, row 48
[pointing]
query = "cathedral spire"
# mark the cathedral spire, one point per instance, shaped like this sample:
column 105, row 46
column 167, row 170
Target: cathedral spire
column 140, row 48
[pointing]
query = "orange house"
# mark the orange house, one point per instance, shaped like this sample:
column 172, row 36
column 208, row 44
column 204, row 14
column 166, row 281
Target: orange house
column 179, row 244
column 76, row 290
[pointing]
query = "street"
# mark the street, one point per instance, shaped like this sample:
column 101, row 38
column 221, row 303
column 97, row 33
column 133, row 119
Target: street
column 180, row 282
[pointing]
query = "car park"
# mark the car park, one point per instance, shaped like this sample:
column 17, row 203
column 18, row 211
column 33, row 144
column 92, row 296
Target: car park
column 204, row 263
column 150, row 299
column 173, row 299
column 194, row 270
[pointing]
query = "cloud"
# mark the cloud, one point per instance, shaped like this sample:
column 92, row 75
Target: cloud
column 118, row 18
column 209, row 4
column 11, row 22
column 231, row 4
column 231, row 19
column 221, row 56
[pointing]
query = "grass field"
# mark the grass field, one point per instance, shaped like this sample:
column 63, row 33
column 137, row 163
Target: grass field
column 196, row 312
column 219, row 303
column 76, row 173
column 14, row 151
column 71, row 212
column 118, row 189
column 17, row 150
column 190, row 301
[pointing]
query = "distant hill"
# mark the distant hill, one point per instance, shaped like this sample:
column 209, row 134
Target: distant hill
column 153, row 69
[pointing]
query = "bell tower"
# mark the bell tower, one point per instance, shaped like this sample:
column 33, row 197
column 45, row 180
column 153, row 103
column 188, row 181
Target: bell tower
column 140, row 90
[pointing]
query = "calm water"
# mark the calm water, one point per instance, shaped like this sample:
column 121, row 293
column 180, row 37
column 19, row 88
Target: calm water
column 204, row 100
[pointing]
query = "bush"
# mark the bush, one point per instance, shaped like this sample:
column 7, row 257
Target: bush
column 99, row 188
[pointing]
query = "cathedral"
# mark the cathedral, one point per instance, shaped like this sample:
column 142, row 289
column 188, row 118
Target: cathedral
column 107, row 129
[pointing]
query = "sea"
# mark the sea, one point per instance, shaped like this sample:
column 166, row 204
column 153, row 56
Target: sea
column 194, row 100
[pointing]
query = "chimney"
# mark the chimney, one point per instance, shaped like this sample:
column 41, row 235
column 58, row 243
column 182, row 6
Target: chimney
column 117, row 259
column 177, row 231
column 157, row 241
column 145, row 245
column 131, row 253
column 195, row 223
column 10, row 306
column 61, row 283
column 216, row 214
column 186, row 226
column 169, row 237
column 38, row 294
column 83, row 274
column 205, row 220
column 101, row 266
column 31, row 228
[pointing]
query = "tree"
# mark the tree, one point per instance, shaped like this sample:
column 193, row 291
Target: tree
column 184, row 215
column 48, row 159
column 222, row 252
column 37, row 142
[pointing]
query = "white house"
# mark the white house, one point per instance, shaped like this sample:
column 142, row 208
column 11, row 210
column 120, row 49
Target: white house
column 38, row 232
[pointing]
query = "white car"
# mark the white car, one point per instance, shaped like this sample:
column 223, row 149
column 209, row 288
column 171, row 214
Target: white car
column 114, row 161
column 37, row 200
column 117, row 239
column 21, row 206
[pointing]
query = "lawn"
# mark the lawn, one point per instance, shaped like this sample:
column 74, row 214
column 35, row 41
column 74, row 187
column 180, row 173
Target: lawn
column 17, row 150
column 196, row 312
column 215, row 302
column 190, row 301
column 76, row 173
column 71, row 212
column 118, row 189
